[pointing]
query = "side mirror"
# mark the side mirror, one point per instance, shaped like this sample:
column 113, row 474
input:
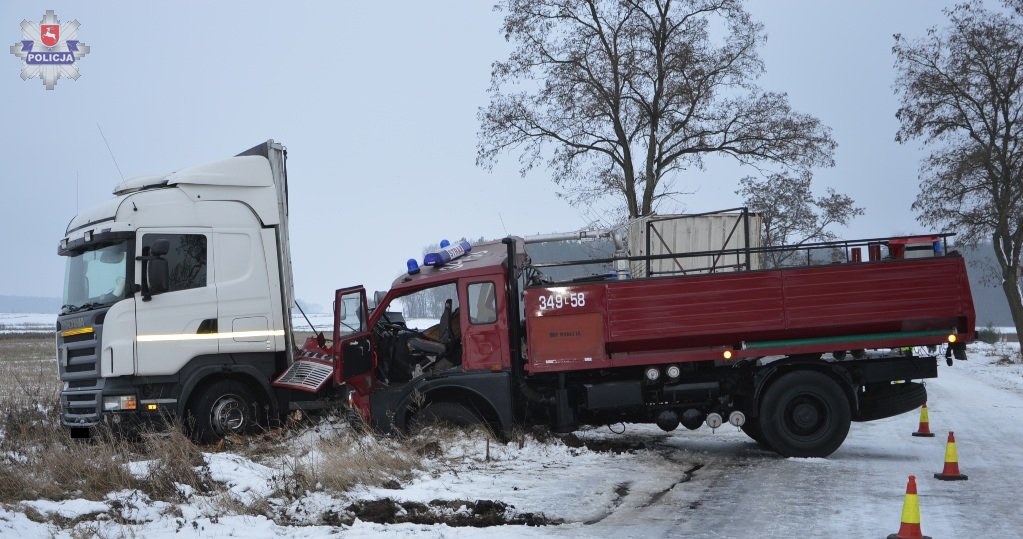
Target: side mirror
column 155, row 271
column 158, row 274
column 160, row 247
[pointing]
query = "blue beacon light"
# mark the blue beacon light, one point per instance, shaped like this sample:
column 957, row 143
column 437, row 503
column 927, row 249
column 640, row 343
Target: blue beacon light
column 413, row 266
column 447, row 253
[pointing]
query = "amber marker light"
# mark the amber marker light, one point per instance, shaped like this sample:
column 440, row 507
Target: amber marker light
column 952, row 338
column 728, row 354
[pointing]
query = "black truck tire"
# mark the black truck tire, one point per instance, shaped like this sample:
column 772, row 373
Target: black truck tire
column 222, row 408
column 450, row 414
column 805, row 414
column 890, row 400
column 753, row 429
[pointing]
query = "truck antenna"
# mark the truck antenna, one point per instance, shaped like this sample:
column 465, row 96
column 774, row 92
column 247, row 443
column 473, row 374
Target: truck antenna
column 501, row 217
column 112, row 158
column 319, row 334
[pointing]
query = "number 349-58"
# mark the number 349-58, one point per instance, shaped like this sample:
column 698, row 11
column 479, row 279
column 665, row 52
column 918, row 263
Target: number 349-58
column 558, row 301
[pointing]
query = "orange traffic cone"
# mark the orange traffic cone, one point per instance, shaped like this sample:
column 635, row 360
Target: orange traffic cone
column 910, row 527
column 925, row 425
column 951, row 470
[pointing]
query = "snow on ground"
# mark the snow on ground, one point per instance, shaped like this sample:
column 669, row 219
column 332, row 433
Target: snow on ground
column 653, row 484
column 320, row 321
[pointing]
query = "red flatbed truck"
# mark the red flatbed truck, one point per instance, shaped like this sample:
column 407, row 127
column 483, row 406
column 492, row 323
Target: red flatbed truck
column 791, row 355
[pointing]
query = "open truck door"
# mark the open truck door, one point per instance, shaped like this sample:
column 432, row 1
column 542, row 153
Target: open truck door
column 353, row 345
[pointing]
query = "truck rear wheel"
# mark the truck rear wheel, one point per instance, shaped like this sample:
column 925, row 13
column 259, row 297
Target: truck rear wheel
column 222, row 408
column 805, row 414
column 887, row 400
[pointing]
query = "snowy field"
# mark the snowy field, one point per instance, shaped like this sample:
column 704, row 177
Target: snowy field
column 641, row 483
column 27, row 322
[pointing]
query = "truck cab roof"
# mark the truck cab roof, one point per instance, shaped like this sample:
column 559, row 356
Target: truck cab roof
column 246, row 178
column 484, row 259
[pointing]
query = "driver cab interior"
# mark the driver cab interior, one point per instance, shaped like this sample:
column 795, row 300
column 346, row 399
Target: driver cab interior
column 418, row 332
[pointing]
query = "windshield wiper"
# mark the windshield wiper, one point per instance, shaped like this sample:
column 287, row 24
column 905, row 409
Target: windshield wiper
column 68, row 309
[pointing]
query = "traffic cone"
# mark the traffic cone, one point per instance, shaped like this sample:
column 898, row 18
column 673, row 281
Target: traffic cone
column 910, row 527
column 951, row 470
column 925, row 425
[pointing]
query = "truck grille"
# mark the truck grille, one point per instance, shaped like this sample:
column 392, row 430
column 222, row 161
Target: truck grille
column 78, row 362
column 80, row 409
column 81, row 361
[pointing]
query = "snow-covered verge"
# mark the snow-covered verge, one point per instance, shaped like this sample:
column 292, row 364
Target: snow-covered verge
column 459, row 480
column 1000, row 364
column 595, row 484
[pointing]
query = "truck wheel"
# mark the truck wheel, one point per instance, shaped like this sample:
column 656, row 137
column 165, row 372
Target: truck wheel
column 753, row 429
column 805, row 414
column 888, row 400
column 223, row 408
column 447, row 414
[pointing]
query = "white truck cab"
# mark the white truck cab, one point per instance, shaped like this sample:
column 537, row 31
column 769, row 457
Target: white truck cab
column 177, row 299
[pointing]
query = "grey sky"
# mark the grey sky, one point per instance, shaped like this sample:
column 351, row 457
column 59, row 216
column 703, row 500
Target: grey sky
column 376, row 102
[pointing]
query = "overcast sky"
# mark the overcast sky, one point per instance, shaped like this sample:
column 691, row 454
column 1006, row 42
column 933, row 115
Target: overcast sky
column 377, row 103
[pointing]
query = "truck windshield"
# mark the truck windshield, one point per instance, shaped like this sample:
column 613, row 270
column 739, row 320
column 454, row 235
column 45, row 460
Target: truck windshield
column 95, row 278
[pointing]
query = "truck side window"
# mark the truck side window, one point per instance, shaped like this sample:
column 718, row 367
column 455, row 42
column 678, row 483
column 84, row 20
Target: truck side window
column 482, row 303
column 186, row 259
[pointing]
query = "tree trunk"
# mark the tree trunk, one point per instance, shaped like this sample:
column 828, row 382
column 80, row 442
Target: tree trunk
column 1007, row 255
column 1010, row 285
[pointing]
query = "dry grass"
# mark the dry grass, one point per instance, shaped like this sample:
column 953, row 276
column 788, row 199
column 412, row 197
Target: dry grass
column 38, row 458
column 35, row 346
column 338, row 463
column 177, row 461
column 41, row 460
column 28, row 368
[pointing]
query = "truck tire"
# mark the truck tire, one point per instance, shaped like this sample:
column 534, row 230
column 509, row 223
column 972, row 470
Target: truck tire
column 890, row 400
column 753, row 429
column 222, row 408
column 805, row 414
column 450, row 414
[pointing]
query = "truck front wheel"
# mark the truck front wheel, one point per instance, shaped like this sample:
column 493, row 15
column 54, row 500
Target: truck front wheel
column 445, row 413
column 222, row 408
column 805, row 414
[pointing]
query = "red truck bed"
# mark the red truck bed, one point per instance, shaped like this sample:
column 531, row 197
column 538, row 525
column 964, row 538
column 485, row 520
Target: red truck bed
column 783, row 311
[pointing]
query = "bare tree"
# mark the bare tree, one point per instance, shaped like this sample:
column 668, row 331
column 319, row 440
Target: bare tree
column 960, row 90
column 791, row 214
column 617, row 97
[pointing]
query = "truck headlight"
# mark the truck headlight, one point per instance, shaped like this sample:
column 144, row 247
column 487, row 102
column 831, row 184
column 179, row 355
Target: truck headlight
column 652, row 374
column 673, row 371
column 121, row 402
